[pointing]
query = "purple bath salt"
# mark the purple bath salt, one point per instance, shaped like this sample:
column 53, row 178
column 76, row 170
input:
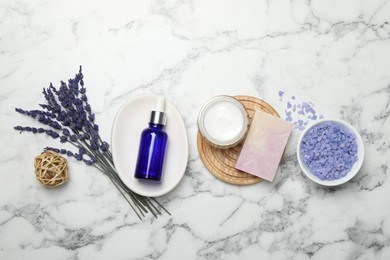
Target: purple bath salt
column 329, row 150
column 298, row 110
column 281, row 93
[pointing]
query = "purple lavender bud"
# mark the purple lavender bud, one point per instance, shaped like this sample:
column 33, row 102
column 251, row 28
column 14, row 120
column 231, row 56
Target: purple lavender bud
column 91, row 117
column 63, row 139
column 66, row 121
column 83, row 115
column 88, row 162
column 78, row 127
column 88, row 108
column 65, row 132
column 73, row 138
column 55, row 125
column 87, row 136
column 70, row 113
column 21, row 111
column 56, row 109
column 81, row 136
column 19, row 128
column 87, row 125
column 62, row 151
column 104, row 147
column 95, row 137
column 69, row 153
column 94, row 146
column 78, row 157
column 52, row 134
column 42, row 119
column 82, row 150
column 52, row 149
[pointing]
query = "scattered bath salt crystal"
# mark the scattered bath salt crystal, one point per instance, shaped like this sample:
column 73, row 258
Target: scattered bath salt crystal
column 299, row 125
column 307, row 107
column 281, row 93
column 329, row 150
column 296, row 110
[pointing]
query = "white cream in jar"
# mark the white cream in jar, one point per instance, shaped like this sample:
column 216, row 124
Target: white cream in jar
column 223, row 121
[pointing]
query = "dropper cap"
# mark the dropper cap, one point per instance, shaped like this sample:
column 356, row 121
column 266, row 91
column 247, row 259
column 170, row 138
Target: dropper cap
column 158, row 115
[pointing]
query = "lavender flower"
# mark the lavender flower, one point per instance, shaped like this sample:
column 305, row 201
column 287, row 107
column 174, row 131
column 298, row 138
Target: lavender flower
column 69, row 117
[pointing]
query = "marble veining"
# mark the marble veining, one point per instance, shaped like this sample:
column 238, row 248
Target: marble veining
column 334, row 53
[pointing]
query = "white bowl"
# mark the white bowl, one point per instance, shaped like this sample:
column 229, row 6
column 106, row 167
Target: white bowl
column 355, row 168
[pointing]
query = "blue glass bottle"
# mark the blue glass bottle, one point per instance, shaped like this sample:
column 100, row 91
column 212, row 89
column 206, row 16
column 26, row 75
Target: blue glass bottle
column 151, row 153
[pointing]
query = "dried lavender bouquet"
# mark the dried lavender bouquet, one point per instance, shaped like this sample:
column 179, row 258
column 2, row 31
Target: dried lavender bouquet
column 69, row 118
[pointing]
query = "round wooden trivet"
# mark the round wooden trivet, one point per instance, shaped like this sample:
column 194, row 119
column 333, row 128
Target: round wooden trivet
column 221, row 162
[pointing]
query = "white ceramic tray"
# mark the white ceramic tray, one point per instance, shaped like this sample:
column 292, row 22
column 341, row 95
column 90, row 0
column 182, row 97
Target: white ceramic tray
column 131, row 118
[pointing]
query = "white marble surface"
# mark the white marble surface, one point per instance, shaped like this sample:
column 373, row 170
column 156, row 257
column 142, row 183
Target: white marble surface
column 335, row 53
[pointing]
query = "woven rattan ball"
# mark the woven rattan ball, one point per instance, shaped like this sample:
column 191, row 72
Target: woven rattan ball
column 51, row 169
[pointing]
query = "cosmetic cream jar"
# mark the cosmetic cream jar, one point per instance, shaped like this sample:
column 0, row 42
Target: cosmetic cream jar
column 223, row 121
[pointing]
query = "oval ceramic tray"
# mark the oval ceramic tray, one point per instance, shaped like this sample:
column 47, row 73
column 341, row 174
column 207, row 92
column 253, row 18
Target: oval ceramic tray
column 132, row 117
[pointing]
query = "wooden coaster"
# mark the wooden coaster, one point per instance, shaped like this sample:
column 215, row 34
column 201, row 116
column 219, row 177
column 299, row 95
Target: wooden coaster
column 221, row 162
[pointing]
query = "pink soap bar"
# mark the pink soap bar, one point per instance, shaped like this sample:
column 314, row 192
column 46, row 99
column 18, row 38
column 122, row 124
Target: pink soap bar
column 264, row 145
